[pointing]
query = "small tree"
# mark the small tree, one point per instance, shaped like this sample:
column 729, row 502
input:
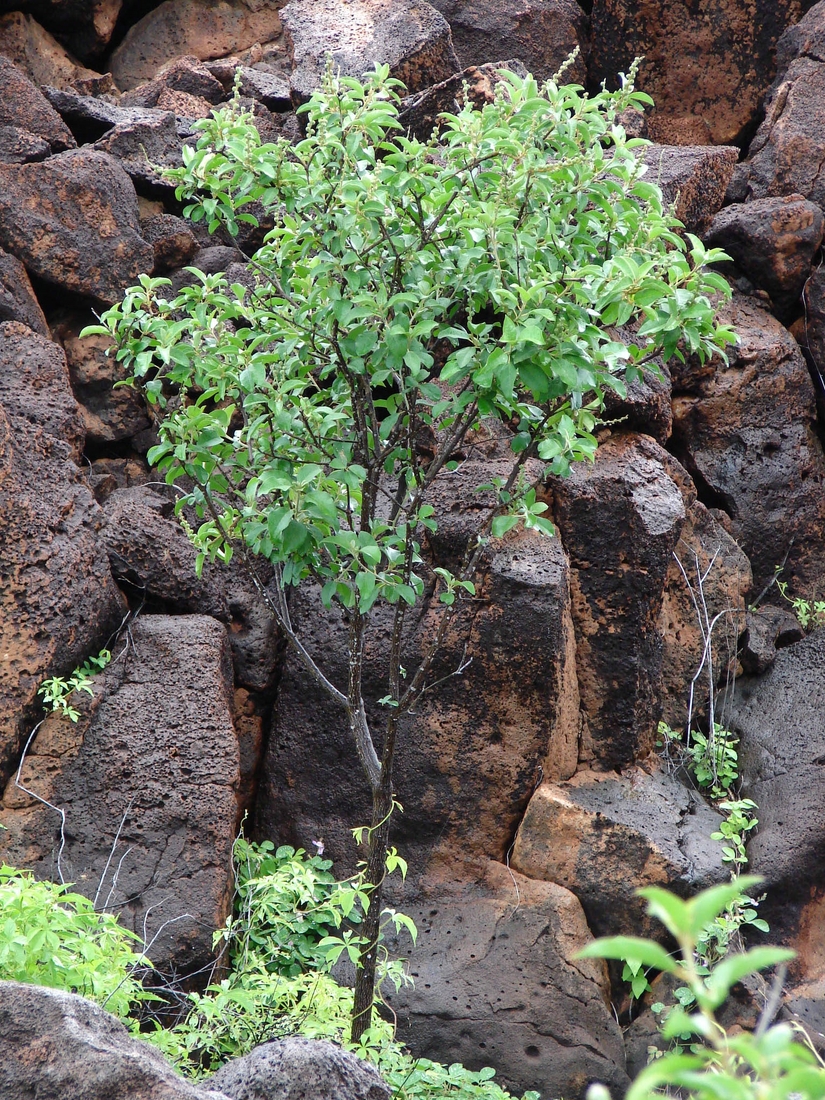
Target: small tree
column 406, row 288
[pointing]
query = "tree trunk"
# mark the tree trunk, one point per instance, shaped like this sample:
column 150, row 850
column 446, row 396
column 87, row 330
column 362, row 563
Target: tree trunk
column 376, row 869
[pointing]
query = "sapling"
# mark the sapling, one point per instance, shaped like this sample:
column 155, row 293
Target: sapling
column 407, row 290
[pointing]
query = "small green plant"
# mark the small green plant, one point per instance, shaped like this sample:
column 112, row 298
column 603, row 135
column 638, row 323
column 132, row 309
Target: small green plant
column 287, row 931
column 809, row 613
column 51, row 937
column 57, row 692
column 766, row 1064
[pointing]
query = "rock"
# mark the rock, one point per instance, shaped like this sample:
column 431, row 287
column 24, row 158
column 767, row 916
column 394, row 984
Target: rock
column 39, row 55
column 197, row 28
column 58, row 602
column 810, row 333
column 89, row 117
column 620, row 520
column 172, row 240
column 212, row 260
column 695, row 178
column 270, row 88
column 54, row 1045
column 153, row 560
column 111, row 413
column 143, row 145
column 786, row 155
column 778, row 718
column 645, row 405
column 185, row 74
column 295, row 1068
column 34, row 385
column 699, row 65
column 767, row 630
column 73, row 221
column 24, row 106
column 19, row 146
column 746, row 435
column 706, row 587
column 603, row 836
column 154, row 754
column 469, row 757
column 17, row 299
column 496, row 983
column 773, row 241
column 542, row 34
column 419, row 113
column 408, row 35
column 84, row 28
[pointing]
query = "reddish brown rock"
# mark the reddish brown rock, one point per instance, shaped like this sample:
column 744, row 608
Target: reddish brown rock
column 24, row 105
column 111, row 413
column 773, row 241
column 745, row 432
column 17, row 299
column 84, row 27
column 470, row 756
column 542, row 34
column 603, row 836
column 620, row 520
column 185, row 75
column 408, row 35
column 58, row 602
column 695, row 178
column 34, row 385
column 497, row 983
column 809, row 331
column 73, row 221
column 39, row 55
column 199, row 28
column 154, row 754
column 701, row 63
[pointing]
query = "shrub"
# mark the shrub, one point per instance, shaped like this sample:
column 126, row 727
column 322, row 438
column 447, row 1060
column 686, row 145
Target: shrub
column 51, row 937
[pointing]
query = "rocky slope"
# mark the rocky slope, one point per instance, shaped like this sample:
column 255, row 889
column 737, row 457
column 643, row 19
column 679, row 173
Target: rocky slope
column 534, row 801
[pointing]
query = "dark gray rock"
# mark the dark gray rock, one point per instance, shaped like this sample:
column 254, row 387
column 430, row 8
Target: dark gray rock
column 767, row 630
column 420, row 114
column 17, row 298
column 773, row 241
column 90, row 117
column 184, row 74
column 626, row 513
column 154, row 755
column 54, row 1045
column 146, row 145
column 778, row 718
column 540, row 33
column 408, row 35
column 297, row 1068
column 270, row 88
column 496, row 983
column 73, row 221
column 19, row 146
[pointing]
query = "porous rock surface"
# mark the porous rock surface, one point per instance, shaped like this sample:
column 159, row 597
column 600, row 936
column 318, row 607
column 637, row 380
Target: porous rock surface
column 147, row 780
column 778, row 719
column 497, row 983
column 294, row 1068
column 54, row 1045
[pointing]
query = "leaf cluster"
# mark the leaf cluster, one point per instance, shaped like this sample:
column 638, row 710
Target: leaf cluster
column 768, row 1064
column 57, row 691
column 53, row 937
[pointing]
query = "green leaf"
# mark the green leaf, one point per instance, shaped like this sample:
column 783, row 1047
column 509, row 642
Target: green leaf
column 502, row 524
column 645, row 952
column 735, row 967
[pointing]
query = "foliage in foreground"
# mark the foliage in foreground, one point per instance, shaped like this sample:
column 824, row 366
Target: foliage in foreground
column 50, row 936
column 770, row 1063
